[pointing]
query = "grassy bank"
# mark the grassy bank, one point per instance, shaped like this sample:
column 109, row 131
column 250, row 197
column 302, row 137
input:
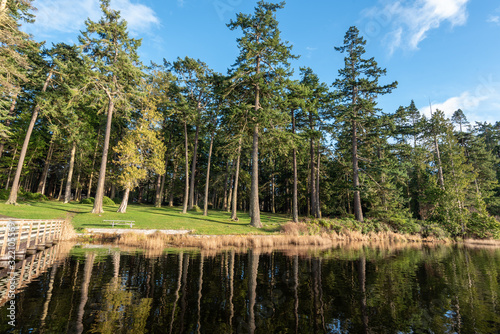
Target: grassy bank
column 145, row 217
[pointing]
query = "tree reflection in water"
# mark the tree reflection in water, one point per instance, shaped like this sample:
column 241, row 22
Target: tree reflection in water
column 359, row 290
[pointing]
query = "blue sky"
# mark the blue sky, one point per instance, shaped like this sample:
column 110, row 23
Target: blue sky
column 443, row 51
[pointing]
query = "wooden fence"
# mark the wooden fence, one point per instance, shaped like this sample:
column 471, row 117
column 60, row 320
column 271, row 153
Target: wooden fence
column 22, row 237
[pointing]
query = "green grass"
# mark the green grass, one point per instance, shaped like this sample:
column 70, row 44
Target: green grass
column 145, row 217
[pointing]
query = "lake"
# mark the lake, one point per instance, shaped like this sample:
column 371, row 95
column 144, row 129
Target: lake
column 346, row 289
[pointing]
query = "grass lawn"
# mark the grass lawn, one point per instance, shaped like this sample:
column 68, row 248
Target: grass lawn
column 145, row 217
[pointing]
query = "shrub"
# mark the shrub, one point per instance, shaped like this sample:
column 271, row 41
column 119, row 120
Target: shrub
column 33, row 196
column 117, row 200
column 89, row 200
column 107, row 201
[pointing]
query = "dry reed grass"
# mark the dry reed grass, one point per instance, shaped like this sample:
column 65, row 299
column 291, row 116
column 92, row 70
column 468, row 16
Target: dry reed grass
column 294, row 235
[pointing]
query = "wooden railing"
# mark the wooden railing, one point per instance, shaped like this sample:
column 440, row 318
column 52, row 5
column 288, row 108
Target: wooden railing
column 21, row 237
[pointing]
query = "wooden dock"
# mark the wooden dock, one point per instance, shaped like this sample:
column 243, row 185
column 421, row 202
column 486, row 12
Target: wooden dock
column 20, row 238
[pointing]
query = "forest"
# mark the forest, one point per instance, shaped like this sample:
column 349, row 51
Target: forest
column 91, row 122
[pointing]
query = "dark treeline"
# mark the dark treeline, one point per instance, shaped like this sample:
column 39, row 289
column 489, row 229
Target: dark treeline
column 90, row 121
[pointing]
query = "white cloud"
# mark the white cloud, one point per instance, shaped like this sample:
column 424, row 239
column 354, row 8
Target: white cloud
column 69, row 16
column 410, row 21
column 480, row 104
column 465, row 101
column 494, row 19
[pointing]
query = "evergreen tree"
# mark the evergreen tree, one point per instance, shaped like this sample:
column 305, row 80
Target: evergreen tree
column 113, row 57
column 262, row 67
column 356, row 90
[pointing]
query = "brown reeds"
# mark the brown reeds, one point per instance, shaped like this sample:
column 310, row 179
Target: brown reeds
column 294, row 235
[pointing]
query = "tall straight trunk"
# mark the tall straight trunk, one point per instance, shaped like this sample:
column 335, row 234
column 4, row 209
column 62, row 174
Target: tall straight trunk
column 67, row 194
column 158, row 197
column 89, row 189
column 45, row 172
column 225, row 200
column 295, row 210
column 10, row 169
column 254, row 197
column 15, row 185
column 8, row 121
column 99, row 195
column 358, row 213
column 171, row 187
column 193, row 169
column 318, row 205
column 205, row 204
column 164, row 176
column 60, row 189
column 273, row 190
column 312, row 172
column 254, row 192
column 231, row 184
column 123, row 204
column 234, row 214
column 78, row 189
column 186, row 188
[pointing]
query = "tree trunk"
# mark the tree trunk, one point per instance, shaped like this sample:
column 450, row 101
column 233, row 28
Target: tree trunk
column 295, row 210
column 224, row 204
column 318, row 205
column 186, row 190
column 45, row 172
column 312, row 176
column 254, row 192
column 358, row 213
column 231, row 184
column 158, row 197
column 78, row 190
column 67, row 195
column 234, row 213
column 8, row 122
column 171, row 187
column 89, row 189
column 99, row 195
column 15, row 185
column 205, row 204
column 60, row 189
column 254, row 197
column 123, row 204
column 193, row 169
column 273, row 190
column 10, row 168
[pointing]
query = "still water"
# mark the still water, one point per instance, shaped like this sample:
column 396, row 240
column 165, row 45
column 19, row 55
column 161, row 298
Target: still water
column 347, row 289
